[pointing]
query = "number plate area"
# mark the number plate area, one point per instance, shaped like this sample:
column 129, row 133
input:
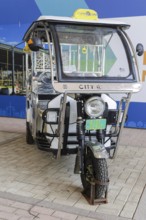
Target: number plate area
column 95, row 124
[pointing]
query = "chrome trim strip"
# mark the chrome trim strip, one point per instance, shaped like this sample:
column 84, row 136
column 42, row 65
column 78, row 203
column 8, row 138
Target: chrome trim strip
column 96, row 87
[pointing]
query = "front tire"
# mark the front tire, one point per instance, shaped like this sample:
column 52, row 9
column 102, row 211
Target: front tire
column 94, row 168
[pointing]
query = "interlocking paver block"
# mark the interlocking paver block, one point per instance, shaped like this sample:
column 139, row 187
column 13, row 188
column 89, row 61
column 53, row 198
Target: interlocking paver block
column 86, row 218
column 129, row 210
column 64, row 215
column 83, row 204
column 6, row 202
column 46, row 217
column 42, row 210
column 111, row 209
column 27, row 218
column 9, row 216
column 7, row 209
column 25, row 213
column 21, row 205
column 31, row 173
column 134, row 197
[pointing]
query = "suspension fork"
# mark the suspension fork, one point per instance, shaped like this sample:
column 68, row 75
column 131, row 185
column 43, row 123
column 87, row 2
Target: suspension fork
column 100, row 134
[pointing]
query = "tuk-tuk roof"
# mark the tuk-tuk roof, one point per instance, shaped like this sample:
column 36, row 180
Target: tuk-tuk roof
column 84, row 21
column 72, row 20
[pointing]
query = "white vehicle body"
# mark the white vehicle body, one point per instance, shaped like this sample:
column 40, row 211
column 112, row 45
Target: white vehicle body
column 74, row 66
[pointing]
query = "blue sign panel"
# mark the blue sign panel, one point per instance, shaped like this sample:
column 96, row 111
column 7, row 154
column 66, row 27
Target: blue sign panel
column 114, row 8
column 17, row 15
column 13, row 106
column 136, row 115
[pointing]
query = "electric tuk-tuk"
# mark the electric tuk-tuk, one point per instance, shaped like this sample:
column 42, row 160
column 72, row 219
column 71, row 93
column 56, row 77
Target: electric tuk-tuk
column 74, row 67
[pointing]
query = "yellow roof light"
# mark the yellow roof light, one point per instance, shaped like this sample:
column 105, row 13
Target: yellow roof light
column 85, row 14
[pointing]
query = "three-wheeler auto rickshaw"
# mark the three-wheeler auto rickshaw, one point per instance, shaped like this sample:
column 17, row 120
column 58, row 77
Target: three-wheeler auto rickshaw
column 75, row 66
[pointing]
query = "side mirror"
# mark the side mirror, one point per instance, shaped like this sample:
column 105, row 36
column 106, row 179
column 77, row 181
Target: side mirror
column 139, row 49
column 35, row 44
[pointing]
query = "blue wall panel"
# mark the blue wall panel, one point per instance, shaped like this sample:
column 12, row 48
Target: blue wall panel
column 114, row 8
column 12, row 106
column 16, row 16
column 136, row 115
column 15, row 106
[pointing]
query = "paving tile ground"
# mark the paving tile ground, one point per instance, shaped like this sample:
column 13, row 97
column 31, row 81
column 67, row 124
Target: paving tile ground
column 34, row 185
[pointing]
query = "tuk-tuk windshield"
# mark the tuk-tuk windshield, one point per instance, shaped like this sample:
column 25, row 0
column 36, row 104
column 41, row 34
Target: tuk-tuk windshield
column 97, row 52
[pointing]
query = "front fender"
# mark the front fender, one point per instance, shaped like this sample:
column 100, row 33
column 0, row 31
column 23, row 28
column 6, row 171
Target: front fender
column 98, row 150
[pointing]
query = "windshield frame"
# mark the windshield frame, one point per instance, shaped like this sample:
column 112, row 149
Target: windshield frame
column 63, row 78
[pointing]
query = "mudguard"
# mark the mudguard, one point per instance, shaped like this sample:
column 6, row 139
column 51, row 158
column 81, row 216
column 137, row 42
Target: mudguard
column 98, row 149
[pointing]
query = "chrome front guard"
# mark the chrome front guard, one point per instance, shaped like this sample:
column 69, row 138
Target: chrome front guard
column 99, row 152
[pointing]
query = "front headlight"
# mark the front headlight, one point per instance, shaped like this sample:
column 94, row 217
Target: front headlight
column 94, row 107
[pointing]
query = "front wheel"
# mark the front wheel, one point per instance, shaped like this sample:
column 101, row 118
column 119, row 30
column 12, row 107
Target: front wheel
column 94, row 168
